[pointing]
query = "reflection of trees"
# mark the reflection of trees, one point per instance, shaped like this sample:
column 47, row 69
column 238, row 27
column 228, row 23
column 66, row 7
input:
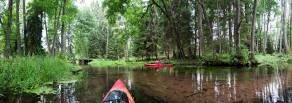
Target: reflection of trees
column 275, row 91
column 185, row 85
column 227, row 85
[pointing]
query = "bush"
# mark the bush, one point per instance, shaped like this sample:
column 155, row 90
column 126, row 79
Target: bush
column 224, row 59
column 217, row 59
column 26, row 73
column 242, row 58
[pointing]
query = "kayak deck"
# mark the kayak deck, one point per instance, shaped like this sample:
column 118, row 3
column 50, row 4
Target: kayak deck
column 118, row 94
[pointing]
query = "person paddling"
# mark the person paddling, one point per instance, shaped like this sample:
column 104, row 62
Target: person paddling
column 157, row 61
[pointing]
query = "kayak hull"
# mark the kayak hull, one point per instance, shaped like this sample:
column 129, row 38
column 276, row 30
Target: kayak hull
column 158, row 65
column 120, row 86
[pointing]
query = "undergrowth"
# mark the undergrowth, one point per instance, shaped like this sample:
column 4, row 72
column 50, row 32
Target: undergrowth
column 21, row 74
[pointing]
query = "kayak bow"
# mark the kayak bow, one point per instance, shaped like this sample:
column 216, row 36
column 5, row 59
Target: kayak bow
column 118, row 94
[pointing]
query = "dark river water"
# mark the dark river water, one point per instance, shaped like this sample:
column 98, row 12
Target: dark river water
column 178, row 85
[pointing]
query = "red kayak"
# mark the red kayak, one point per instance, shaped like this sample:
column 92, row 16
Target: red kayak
column 118, row 94
column 158, row 65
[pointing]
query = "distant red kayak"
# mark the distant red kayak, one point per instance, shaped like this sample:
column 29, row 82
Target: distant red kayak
column 158, row 65
column 118, row 94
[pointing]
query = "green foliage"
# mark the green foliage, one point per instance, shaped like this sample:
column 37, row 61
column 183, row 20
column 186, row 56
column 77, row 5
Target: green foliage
column 118, row 63
column 230, row 59
column 34, row 30
column 94, row 38
column 265, row 6
column 114, row 8
column 22, row 74
column 273, row 60
column 218, row 59
column 83, row 28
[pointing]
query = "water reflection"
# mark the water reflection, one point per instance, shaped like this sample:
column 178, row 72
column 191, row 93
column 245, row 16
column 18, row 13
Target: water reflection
column 181, row 85
column 65, row 94
column 273, row 91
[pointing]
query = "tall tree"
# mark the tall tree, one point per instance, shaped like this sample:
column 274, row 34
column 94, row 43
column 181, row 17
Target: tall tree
column 200, row 23
column 63, row 26
column 237, row 22
column 9, row 30
column 34, row 30
column 253, row 31
column 291, row 24
column 18, row 37
column 284, row 30
column 230, row 25
column 24, row 24
column 56, row 26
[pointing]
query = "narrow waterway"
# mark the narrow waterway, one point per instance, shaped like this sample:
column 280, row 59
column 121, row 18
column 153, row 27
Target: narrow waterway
column 179, row 85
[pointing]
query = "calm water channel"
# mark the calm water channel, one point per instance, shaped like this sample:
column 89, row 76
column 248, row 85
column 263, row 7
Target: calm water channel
column 179, row 85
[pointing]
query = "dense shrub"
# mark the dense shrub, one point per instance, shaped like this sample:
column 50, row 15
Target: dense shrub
column 224, row 59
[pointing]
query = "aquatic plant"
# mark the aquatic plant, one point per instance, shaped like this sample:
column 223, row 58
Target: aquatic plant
column 22, row 74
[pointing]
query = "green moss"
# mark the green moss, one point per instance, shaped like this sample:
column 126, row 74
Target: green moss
column 22, row 74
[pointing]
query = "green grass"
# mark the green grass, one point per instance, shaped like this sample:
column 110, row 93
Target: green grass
column 273, row 60
column 28, row 74
column 116, row 63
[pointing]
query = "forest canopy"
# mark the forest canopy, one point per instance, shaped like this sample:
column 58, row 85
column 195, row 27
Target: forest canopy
column 146, row 29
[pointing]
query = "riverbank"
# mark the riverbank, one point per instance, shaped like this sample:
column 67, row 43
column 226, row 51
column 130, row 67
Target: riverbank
column 214, row 60
column 33, row 74
column 101, row 63
column 273, row 60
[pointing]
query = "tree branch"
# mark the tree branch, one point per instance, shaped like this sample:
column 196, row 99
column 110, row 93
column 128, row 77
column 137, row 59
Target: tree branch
column 164, row 5
column 148, row 7
column 164, row 11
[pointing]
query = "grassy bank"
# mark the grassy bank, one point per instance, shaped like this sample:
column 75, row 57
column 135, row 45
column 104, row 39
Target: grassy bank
column 228, row 60
column 206, row 60
column 273, row 60
column 29, row 74
column 116, row 63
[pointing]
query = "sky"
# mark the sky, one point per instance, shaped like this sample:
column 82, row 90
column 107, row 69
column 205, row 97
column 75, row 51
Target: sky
column 85, row 3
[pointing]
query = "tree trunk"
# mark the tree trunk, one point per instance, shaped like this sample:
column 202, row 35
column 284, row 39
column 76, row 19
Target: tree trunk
column 280, row 39
column 63, row 39
column 259, row 19
column 57, row 23
column 218, row 28
column 107, row 43
column 286, row 47
column 177, row 35
column 253, row 31
column 47, row 34
column 224, row 28
column 291, row 25
column 266, row 33
column 18, row 38
column 237, row 27
column 230, row 28
column 24, row 25
column 7, row 52
column 246, row 7
column 201, row 36
column 196, row 43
